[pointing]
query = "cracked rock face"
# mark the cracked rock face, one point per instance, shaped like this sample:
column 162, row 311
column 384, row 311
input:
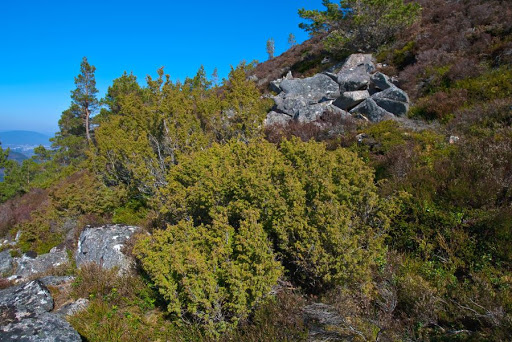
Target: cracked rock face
column 28, row 266
column 24, row 315
column 355, row 88
column 103, row 246
column 32, row 297
column 45, row 327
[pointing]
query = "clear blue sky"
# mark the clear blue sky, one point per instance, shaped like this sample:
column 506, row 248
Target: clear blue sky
column 43, row 42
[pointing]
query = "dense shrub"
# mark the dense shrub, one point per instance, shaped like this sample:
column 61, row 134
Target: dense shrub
column 213, row 274
column 148, row 130
column 319, row 207
column 72, row 203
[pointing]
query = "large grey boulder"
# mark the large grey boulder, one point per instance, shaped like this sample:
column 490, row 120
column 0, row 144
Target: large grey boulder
column 275, row 86
column 354, row 79
column 394, row 107
column 25, row 316
column 45, row 327
column 290, row 105
column 103, row 246
column 350, row 99
column 359, row 59
column 27, row 266
column 313, row 89
column 6, row 262
column 370, row 110
column 380, row 82
column 315, row 111
column 32, row 297
column 392, row 93
column 303, row 99
column 393, row 100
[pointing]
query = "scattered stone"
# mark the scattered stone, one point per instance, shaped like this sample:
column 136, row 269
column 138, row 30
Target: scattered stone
column 274, row 118
column 73, row 308
column 103, row 246
column 454, row 139
column 56, row 281
column 360, row 137
column 350, row 99
column 6, row 262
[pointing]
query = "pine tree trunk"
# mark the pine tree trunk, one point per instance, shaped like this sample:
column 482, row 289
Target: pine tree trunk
column 87, row 133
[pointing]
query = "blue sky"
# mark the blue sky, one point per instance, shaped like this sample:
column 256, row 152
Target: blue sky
column 43, row 42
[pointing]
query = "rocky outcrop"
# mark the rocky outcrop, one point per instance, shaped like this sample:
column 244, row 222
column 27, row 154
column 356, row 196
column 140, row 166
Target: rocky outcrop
column 31, row 297
column 6, row 262
column 304, row 100
column 28, row 265
column 356, row 89
column 103, row 246
column 25, row 316
column 26, row 309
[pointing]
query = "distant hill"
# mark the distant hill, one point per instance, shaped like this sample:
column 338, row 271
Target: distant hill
column 19, row 157
column 18, row 138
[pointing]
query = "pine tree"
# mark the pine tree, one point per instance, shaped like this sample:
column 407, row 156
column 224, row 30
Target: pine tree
column 291, row 40
column 270, row 48
column 215, row 77
column 75, row 122
column 85, row 94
